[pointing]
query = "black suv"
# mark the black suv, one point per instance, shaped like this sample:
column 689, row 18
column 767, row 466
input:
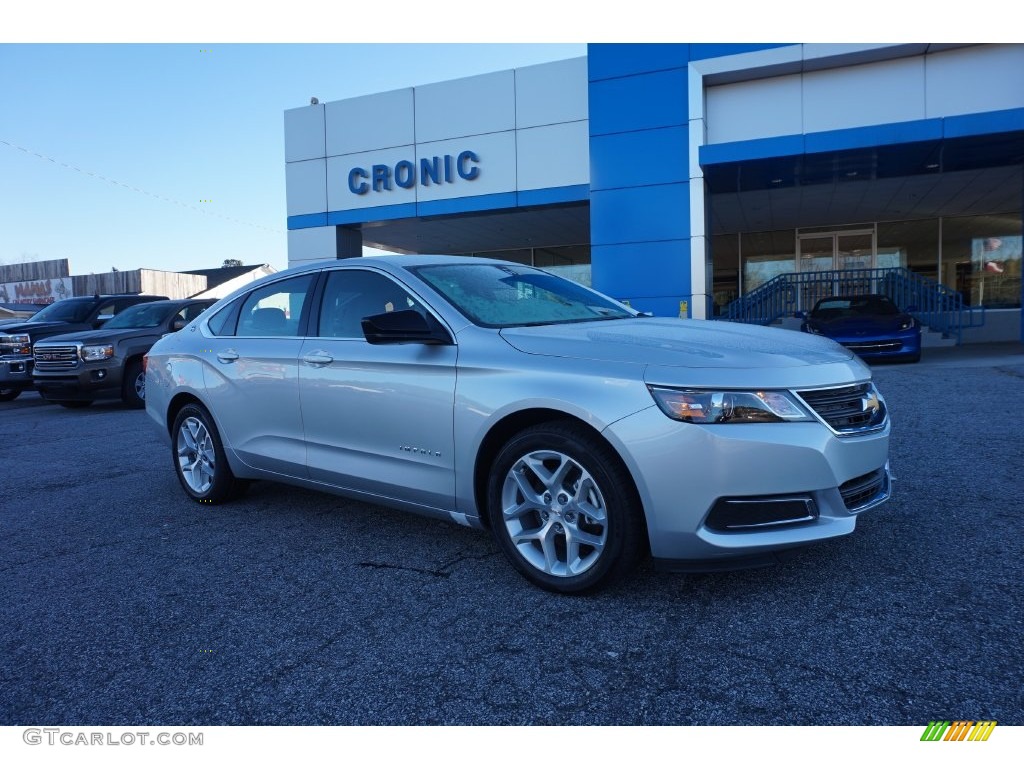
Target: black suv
column 77, row 314
column 76, row 368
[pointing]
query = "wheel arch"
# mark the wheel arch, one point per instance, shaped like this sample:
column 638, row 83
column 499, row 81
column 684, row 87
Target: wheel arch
column 178, row 402
column 513, row 423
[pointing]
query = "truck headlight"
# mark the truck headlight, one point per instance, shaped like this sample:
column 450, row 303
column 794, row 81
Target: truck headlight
column 708, row 406
column 20, row 343
column 97, row 352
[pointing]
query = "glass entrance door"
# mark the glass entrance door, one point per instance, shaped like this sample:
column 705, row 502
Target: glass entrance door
column 824, row 252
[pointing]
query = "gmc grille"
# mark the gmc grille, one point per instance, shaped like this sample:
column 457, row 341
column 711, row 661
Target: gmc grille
column 56, row 358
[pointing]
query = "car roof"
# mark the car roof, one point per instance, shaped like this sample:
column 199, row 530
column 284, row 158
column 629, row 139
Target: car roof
column 181, row 301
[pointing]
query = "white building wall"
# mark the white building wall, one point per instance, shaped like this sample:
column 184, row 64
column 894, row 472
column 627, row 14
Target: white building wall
column 311, row 244
column 960, row 81
column 528, row 127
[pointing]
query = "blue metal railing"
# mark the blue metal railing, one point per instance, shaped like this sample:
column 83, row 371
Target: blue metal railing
column 936, row 305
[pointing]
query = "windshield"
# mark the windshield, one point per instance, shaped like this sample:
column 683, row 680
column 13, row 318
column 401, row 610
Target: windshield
column 141, row 316
column 501, row 296
column 853, row 306
column 66, row 311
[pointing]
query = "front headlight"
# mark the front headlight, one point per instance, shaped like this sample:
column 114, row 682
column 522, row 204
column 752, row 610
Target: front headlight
column 813, row 329
column 97, row 352
column 20, row 343
column 907, row 324
column 708, row 406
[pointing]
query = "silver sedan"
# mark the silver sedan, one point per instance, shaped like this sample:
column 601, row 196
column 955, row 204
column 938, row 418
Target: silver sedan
column 583, row 434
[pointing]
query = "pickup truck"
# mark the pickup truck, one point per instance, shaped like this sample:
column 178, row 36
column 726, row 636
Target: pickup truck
column 74, row 369
column 17, row 337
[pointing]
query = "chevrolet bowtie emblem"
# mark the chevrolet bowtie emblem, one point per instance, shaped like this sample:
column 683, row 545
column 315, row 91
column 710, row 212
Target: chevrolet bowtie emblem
column 870, row 402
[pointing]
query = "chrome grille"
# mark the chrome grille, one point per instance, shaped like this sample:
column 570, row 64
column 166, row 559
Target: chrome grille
column 56, row 358
column 873, row 346
column 861, row 490
column 847, row 409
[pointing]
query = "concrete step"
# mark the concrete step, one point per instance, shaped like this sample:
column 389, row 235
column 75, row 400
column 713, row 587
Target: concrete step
column 933, row 339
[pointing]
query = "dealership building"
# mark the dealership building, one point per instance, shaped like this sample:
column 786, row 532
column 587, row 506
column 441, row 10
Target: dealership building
column 730, row 181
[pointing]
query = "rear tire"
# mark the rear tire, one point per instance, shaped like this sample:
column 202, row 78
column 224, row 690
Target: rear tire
column 133, row 387
column 199, row 459
column 564, row 510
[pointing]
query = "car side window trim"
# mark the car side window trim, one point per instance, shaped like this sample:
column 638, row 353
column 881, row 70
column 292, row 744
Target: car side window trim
column 300, row 326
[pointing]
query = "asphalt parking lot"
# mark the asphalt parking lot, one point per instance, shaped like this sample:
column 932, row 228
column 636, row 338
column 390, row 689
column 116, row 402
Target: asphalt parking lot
column 123, row 603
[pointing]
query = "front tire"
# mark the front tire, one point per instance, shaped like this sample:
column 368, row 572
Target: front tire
column 564, row 509
column 7, row 395
column 199, row 460
column 133, row 388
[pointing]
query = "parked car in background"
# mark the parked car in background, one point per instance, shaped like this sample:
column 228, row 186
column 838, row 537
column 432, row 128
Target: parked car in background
column 497, row 395
column 75, row 369
column 871, row 326
column 76, row 314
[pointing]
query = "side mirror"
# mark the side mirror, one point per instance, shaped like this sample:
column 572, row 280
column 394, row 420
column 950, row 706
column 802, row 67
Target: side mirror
column 178, row 323
column 801, row 315
column 406, row 326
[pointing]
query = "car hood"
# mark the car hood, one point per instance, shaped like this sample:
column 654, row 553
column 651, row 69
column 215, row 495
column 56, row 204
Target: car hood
column 670, row 342
column 844, row 326
column 103, row 336
column 41, row 328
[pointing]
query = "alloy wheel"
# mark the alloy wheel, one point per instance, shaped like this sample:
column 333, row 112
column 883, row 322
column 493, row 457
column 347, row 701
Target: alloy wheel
column 196, row 455
column 554, row 513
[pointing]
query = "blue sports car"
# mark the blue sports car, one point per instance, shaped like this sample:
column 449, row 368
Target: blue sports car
column 870, row 326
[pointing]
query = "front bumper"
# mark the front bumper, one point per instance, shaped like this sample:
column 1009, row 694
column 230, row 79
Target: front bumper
column 682, row 471
column 16, row 372
column 905, row 344
column 87, row 383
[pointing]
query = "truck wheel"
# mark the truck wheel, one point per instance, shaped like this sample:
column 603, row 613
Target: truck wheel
column 133, row 388
column 8, row 394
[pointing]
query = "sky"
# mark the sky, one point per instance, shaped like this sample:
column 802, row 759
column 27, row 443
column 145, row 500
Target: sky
column 130, row 137
column 179, row 148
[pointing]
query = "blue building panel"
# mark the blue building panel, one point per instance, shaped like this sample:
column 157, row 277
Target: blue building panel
column 467, row 204
column 307, row 221
column 755, row 149
column 526, row 198
column 607, row 60
column 643, row 271
column 639, row 215
column 378, row 213
column 1003, row 121
column 640, row 158
column 656, row 100
column 874, row 136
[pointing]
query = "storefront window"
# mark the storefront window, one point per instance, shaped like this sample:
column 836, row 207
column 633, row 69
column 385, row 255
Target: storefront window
column 981, row 258
column 569, row 261
column 766, row 255
column 725, row 259
column 913, row 245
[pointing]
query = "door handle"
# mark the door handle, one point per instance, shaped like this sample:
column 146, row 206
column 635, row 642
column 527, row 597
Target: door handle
column 227, row 356
column 318, row 359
